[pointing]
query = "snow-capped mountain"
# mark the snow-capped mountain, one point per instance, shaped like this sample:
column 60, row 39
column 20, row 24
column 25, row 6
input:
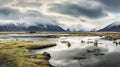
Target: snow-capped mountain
column 36, row 26
column 114, row 27
column 12, row 27
column 75, row 28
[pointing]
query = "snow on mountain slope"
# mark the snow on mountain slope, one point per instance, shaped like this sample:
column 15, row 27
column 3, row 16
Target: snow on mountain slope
column 72, row 24
column 114, row 27
column 18, row 27
column 75, row 27
column 117, row 23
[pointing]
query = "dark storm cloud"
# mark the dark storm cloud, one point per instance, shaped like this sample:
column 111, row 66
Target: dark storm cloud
column 111, row 5
column 78, row 10
column 9, row 13
column 30, row 16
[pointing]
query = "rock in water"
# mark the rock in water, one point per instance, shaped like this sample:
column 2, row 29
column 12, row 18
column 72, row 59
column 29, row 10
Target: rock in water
column 47, row 54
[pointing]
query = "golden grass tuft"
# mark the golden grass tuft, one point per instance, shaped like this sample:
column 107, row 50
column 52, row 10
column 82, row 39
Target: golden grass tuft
column 17, row 53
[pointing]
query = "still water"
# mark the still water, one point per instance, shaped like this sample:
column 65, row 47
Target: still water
column 81, row 53
column 106, row 54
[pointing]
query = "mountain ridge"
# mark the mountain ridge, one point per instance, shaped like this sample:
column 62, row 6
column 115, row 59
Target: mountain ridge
column 11, row 27
column 113, row 27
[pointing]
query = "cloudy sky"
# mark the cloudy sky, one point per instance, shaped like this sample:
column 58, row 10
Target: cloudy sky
column 88, row 13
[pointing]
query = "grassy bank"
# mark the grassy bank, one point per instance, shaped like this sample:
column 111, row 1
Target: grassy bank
column 17, row 54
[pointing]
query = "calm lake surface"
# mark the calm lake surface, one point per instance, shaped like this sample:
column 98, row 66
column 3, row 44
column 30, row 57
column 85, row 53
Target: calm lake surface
column 81, row 52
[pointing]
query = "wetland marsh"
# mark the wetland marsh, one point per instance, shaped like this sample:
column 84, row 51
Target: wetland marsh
column 70, row 50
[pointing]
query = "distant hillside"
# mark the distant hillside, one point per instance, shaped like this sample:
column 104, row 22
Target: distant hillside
column 114, row 27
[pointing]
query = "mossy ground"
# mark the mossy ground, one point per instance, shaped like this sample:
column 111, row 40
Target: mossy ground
column 15, row 53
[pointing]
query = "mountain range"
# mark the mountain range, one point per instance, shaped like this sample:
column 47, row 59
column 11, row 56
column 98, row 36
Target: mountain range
column 21, row 27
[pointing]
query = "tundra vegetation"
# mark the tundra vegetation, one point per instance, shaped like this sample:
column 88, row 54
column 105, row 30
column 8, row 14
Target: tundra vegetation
column 16, row 53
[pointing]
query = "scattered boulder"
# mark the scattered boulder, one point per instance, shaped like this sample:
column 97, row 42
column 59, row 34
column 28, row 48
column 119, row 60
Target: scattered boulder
column 47, row 54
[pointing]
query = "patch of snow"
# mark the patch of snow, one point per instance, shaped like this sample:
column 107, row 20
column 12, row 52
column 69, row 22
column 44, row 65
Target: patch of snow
column 117, row 23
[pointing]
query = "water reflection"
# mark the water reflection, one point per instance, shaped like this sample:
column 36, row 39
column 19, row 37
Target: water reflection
column 80, row 51
column 83, row 52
